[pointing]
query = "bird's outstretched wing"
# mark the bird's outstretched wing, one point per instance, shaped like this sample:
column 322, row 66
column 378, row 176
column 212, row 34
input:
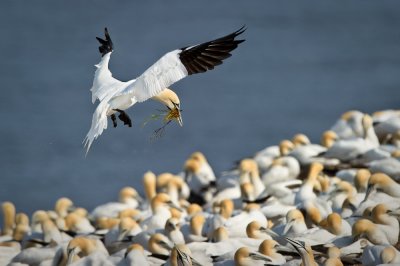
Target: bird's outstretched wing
column 104, row 84
column 180, row 63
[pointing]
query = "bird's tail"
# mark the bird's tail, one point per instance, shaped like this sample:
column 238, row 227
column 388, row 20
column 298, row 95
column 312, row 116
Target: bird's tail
column 99, row 123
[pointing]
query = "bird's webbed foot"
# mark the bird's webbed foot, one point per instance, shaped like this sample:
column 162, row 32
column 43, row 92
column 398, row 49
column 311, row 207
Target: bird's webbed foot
column 124, row 117
column 114, row 120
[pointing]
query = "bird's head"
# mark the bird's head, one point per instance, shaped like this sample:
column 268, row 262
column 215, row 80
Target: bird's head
column 172, row 102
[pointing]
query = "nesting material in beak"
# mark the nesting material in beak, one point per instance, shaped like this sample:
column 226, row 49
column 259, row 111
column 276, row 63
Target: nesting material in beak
column 174, row 113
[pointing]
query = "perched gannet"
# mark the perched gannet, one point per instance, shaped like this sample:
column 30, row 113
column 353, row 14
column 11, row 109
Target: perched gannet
column 149, row 184
column 129, row 198
column 219, row 219
column 63, row 206
column 134, row 255
column 194, row 231
column 117, row 96
column 268, row 248
column 173, row 232
column 385, row 222
column 249, row 172
column 304, row 151
column 371, row 231
column 182, row 255
column 265, row 157
column 200, row 177
column 255, row 230
column 245, row 257
column 336, row 225
column 160, row 246
column 348, row 149
column 333, row 257
column 282, row 169
column 37, row 218
column 341, row 191
column 349, row 125
column 22, row 227
column 87, row 251
column 384, row 183
column 380, row 254
column 8, row 218
column 389, row 166
column 236, row 225
column 78, row 224
column 160, row 212
column 295, row 224
column 304, row 251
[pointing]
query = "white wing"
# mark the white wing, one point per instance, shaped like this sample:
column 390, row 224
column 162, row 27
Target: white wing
column 104, row 84
column 180, row 63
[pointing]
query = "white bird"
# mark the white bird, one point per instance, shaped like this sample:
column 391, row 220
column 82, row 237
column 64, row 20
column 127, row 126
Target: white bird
column 348, row 149
column 117, row 96
column 349, row 125
column 129, row 198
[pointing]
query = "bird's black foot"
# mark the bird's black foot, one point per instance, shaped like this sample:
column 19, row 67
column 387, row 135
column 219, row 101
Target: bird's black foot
column 124, row 117
column 114, row 120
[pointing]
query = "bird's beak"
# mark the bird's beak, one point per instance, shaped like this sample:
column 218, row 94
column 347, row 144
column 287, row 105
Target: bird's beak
column 180, row 122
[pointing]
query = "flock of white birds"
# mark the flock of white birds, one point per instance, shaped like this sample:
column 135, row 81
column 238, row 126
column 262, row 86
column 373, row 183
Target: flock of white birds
column 296, row 203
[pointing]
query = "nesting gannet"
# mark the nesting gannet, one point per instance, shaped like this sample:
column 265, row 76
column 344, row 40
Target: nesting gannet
column 336, row 225
column 200, row 178
column 255, row 230
column 160, row 246
column 385, row 222
column 349, row 125
column 134, row 255
column 129, row 198
column 182, row 255
column 160, row 212
column 333, row 257
column 8, row 218
column 117, row 96
column 282, row 169
column 194, row 231
column 268, row 248
column 304, row 151
column 380, row 254
column 87, row 251
column 348, row 149
column 305, row 251
column 371, row 231
column 389, row 166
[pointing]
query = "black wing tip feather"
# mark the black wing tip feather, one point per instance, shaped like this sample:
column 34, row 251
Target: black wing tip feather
column 206, row 56
column 106, row 45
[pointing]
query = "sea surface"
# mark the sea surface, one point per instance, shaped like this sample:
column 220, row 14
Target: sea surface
column 303, row 64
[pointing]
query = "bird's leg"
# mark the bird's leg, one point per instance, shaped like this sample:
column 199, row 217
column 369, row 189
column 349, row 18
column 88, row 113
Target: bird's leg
column 114, row 120
column 124, row 117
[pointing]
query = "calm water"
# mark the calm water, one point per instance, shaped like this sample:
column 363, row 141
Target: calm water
column 303, row 64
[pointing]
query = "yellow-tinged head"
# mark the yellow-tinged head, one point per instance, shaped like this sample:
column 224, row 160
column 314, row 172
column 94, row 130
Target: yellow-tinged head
column 285, row 146
column 329, row 138
column 226, row 208
column 199, row 157
column 267, row 247
column 300, row 140
column 361, row 180
column 149, row 183
column 63, row 206
column 171, row 100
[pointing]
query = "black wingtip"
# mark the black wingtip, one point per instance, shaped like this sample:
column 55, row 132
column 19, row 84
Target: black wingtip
column 241, row 30
column 106, row 45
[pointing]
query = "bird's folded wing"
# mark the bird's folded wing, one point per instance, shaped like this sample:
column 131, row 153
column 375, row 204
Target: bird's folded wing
column 180, row 63
column 104, row 84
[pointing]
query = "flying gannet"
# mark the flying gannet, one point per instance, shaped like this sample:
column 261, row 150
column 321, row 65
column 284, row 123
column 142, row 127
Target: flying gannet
column 116, row 96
